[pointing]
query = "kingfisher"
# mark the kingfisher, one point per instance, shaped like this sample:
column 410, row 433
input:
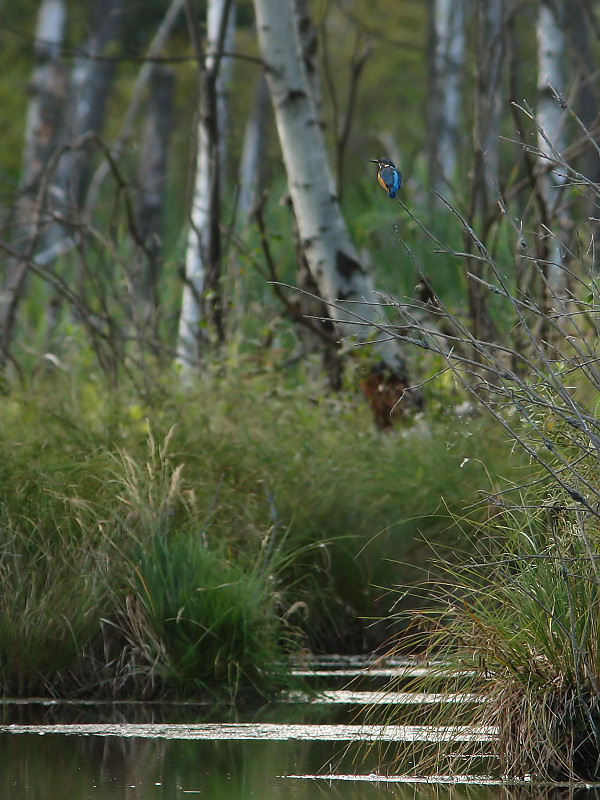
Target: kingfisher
column 388, row 176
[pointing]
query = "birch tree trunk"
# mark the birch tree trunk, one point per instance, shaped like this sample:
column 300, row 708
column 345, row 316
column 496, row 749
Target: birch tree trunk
column 250, row 186
column 43, row 138
column 446, row 95
column 90, row 83
column 222, row 86
column 126, row 131
column 551, row 40
column 324, row 236
column 201, row 302
column 320, row 337
column 46, row 110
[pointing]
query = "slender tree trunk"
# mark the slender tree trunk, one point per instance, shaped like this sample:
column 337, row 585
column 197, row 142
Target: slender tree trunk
column 253, row 152
column 222, row 87
column 46, row 111
column 448, row 46
column 488, row 101
column 152, row 175
column 201, row 313
column 323, row 233
column 250, row 185
column 486, row 140
column 309, row 304
column 308, row 38
column 137, row 96
column 43, row 138
column 551, row 136
column 90, row 81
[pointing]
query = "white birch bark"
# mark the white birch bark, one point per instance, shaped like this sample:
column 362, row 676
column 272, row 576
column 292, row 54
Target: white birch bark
column 448, row 66
column 550, row 118
column 324, row 236
column 137, row 98
column 90, row 81
column 207, row 171
column 224, row 76
column 43, row 137
column 43, row 126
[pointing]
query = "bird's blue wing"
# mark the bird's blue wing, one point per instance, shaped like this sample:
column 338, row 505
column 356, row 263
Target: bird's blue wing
column 392, row 179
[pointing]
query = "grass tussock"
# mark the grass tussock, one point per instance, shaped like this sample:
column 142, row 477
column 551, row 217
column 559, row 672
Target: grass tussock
column 518, row 625
column 189, row 543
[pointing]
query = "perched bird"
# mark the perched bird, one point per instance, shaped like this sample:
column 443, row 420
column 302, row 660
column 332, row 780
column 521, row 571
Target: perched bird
column 388, row 176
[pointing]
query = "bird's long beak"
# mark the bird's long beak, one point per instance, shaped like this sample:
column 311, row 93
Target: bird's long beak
column 374, row 160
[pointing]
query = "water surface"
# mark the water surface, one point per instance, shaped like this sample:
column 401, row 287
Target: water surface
column 302, row 750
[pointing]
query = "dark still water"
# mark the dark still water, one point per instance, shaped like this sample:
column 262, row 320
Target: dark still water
column 74, row 766
column 56, row 766
column 131, row 751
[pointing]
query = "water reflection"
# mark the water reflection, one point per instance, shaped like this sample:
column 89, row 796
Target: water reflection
column 55, row 767
column 72, row 766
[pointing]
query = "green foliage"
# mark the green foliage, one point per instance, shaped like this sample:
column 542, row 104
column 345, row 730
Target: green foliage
column 190, row 553
column 216, row 620
column 210, row 611
column 51, row 601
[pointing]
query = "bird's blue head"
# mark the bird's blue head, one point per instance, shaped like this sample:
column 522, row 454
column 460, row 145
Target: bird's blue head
column 382, row 162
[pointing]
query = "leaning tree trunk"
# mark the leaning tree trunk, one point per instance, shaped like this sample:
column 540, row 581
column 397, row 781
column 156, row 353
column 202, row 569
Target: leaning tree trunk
column 321, row 336
column 138, row 92
column 90, row 82
column 222, row 86
column 43, row 132
column 201, row 311
column 332, row 259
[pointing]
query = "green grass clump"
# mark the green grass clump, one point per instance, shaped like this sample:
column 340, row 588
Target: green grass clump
column 518, row 625
column 202, row 614
column 51, row 603
column 215, row 619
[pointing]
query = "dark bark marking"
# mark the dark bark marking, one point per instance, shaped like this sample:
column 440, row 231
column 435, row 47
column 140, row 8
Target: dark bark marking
column 346, row 265
column 296, row 94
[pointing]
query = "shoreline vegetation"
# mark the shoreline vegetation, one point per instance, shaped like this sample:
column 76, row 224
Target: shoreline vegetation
column 189, row 545
column 520, row 613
